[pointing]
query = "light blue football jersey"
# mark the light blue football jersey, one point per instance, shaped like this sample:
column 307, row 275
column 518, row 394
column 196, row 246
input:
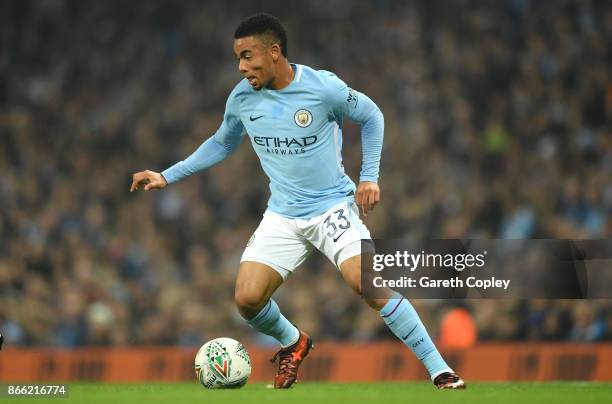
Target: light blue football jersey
column 297, row 134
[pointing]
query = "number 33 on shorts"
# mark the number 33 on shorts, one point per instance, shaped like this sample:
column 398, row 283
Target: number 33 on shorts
column 284, row 243
column 337, row 224
column 340, row 229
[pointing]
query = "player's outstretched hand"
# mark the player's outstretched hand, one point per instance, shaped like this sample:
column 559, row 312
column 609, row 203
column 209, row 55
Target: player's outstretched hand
column 147, row 180
column 368, row 195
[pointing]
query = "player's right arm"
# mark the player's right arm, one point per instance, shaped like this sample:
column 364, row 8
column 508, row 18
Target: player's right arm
column 212, row 151
column 358, row 107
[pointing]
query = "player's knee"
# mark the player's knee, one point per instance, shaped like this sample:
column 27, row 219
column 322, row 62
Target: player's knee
column 357, row 288
column 249, row 301
column 376, row 304
column 352, row 276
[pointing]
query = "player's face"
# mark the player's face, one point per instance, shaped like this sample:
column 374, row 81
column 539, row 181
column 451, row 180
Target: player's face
column 256, row 60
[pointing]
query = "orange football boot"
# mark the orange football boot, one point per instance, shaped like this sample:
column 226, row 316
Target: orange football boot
column 289, row 361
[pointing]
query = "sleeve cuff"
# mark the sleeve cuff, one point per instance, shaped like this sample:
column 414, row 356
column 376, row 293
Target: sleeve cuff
column 369, row 179
column 168, row 176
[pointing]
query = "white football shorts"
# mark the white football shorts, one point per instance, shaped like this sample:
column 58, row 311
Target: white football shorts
column 284, row 244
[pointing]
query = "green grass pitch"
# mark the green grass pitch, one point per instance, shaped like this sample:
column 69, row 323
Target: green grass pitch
column 388, row 393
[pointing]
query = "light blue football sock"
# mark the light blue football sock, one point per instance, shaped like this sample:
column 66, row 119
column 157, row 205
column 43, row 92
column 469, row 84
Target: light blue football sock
column 403, row 320
column 270, row 321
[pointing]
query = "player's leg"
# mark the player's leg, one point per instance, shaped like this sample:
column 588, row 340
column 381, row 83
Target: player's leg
column 400, row 317
column 255, row 284
column 351, row 273
column 403, row 320
column 272, row 254
column 338, row 235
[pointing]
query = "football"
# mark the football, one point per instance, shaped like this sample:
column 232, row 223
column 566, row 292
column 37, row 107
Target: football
column 222, row 363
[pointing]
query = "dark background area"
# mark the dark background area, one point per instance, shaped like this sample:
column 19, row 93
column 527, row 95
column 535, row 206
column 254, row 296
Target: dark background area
column 497, row 126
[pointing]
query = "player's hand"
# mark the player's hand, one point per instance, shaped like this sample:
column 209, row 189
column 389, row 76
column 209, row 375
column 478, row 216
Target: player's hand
column 368, row 195
column 147, row 180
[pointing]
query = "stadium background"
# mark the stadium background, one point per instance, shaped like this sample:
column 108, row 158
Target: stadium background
column 497, row 126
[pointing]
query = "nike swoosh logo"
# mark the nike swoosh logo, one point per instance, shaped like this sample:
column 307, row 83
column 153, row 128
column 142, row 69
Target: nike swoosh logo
column 336, row 239
column 406, row 337
column 255, row 118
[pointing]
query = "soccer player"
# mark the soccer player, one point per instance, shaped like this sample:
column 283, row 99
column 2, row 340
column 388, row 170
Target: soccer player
column 293, row 116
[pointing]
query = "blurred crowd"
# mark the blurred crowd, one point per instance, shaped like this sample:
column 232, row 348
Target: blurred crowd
column 498, row 125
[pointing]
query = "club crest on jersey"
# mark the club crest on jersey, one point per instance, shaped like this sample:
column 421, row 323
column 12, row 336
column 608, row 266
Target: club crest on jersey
column 303, row 118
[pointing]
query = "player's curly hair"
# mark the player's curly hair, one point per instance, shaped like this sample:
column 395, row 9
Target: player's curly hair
column 265, row 25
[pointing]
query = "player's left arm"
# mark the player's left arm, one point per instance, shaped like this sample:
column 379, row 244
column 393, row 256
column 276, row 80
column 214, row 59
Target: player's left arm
column 359, row 108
